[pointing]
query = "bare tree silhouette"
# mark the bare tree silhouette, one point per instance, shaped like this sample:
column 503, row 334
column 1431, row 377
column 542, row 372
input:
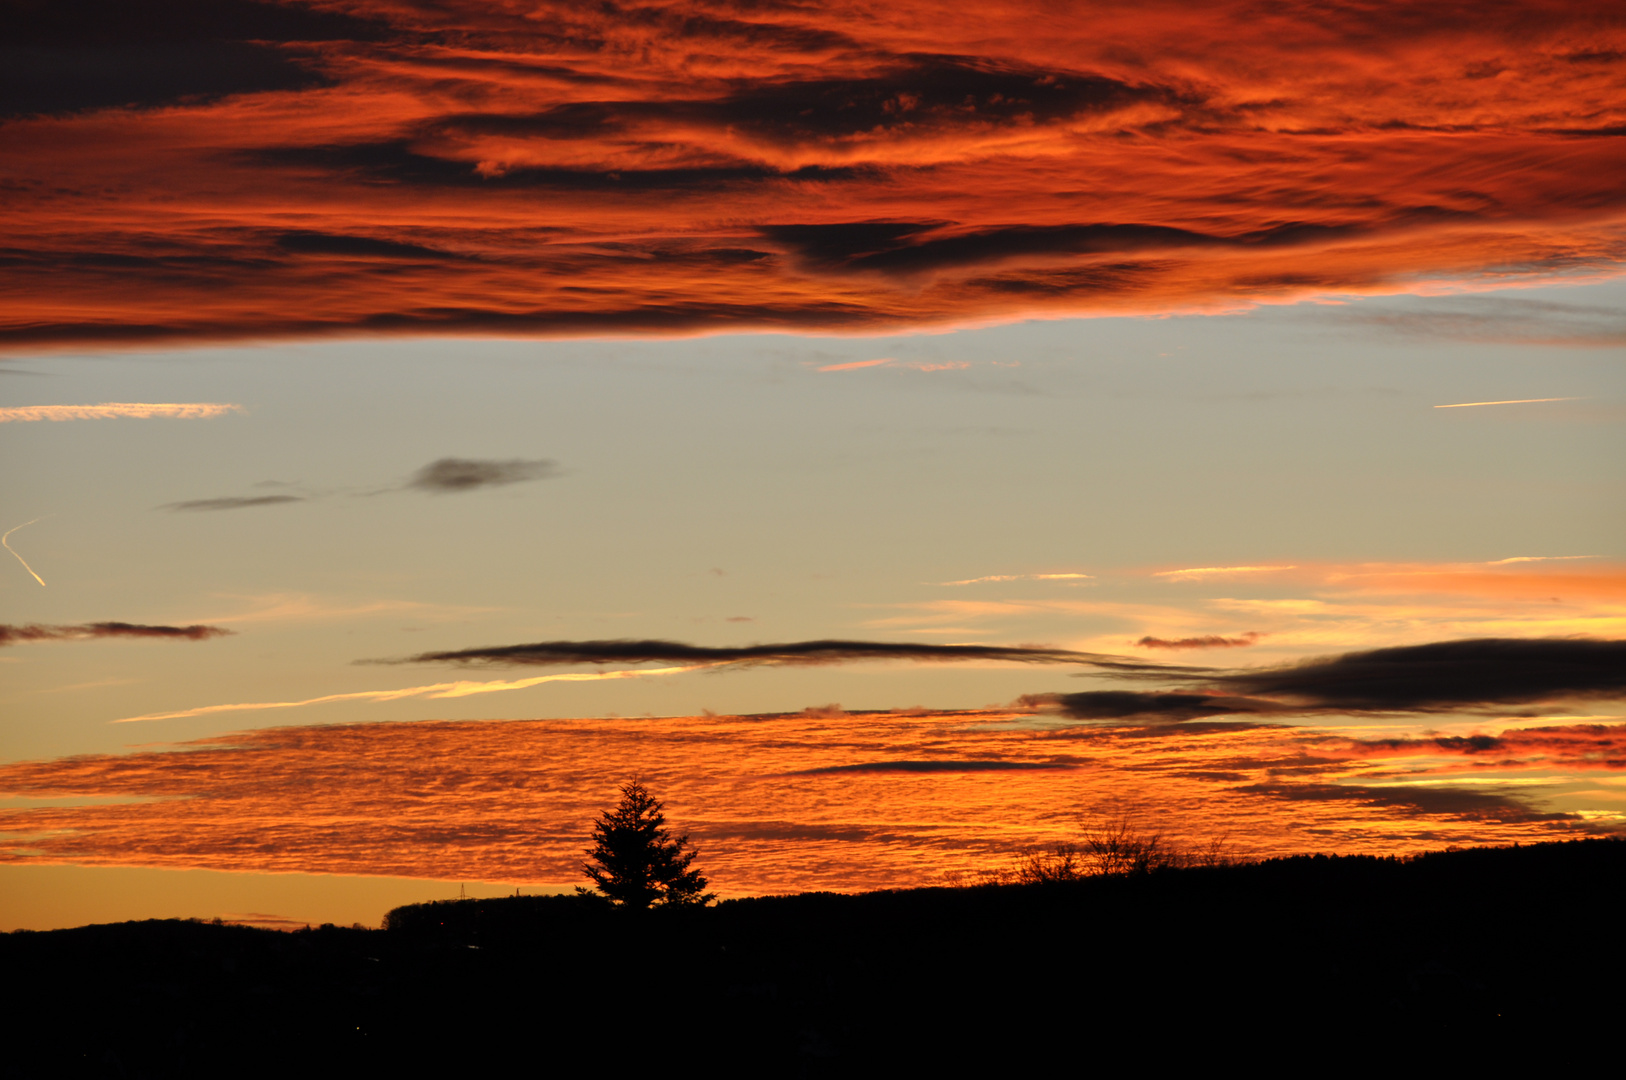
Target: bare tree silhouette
column 1063, row 862
column 1107, row 847
column 635, row 862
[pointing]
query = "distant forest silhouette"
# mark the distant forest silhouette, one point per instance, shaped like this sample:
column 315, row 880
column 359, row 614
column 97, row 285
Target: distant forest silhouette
column 1458, row 954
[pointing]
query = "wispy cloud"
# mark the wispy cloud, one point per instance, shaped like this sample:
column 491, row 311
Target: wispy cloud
column 907, row 365
column 1205, row 641
column 1314, row 607
column 450, row 475
column 854, row 365
column 1499, row 320
column 786, row 653
column 1200, row 572
column 462, row 688
column 1537, row 558
column 1444, row 676
column 300, row 607
column 12, row 635
column 233, row 502
column 1020, row 577
column 196, row 410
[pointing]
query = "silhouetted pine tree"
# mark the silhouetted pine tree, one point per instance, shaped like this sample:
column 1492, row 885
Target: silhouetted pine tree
column 634, row 862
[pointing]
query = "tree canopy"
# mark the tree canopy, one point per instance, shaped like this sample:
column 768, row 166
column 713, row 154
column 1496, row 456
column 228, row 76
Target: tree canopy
column 635, row 862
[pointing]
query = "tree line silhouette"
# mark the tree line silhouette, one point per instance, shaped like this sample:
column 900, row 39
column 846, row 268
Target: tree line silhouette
column 1120, row 937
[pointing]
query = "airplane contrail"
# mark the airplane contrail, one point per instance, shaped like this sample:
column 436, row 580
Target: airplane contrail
column 5, row 542
column 1515, row 401
column 461, row 688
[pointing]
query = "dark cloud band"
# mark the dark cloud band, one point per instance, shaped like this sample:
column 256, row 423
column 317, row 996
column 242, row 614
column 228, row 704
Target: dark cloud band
column 934, row 767
column 546, row 653
column 1440, row 676
column 12, row 635
column 1154, row 707
column 1446, row 674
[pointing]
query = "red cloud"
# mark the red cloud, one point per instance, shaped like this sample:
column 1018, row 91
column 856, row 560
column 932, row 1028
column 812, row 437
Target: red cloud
column 384, row 167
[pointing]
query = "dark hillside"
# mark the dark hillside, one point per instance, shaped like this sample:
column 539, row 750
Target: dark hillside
column 1469, row 954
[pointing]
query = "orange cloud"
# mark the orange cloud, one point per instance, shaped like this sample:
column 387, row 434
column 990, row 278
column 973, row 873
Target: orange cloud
column 1516, row 577
column 1199, row 573
column 822, row 799
column 856, row 364
column 113, row 409
column 1299, row 609
column 382, row 167
column 1020, row 577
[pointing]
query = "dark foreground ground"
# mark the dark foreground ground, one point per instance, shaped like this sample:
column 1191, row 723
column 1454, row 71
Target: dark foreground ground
column 1294, row 964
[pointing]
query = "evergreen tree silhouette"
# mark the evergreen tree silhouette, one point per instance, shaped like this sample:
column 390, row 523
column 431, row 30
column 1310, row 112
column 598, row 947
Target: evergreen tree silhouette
column 635, row 862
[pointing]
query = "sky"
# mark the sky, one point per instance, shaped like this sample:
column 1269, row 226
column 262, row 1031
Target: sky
column 900, row 436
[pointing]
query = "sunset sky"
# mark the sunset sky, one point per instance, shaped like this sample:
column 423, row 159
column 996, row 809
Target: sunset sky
column 894, row 432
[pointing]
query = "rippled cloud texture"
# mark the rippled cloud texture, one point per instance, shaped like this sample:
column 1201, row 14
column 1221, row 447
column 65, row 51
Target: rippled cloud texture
column 817, row 800
column 191, row 170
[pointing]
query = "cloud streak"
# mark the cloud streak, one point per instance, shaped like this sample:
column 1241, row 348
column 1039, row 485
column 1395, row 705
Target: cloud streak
column 443, row 690
column 13, row 635
column 1516, row 401
column 891, row 362
column 112, row 410
column 1447, row 676
column 444, row 476
column 451, row 475
column 1020, row 577
column 1205, row 641
column 1199, row 573
column 232, row 502
column 627, row 651
column 935, row 766
column 723, row 165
